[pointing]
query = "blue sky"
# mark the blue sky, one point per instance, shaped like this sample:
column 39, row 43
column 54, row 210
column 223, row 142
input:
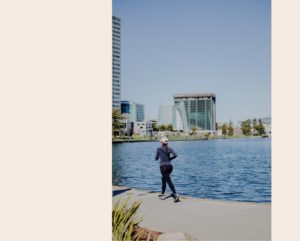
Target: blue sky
column 177, row 46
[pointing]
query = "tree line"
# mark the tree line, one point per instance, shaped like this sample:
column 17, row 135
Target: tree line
column 248, row 127
column 162, row 127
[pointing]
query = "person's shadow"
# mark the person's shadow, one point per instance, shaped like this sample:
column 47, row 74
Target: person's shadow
column 171, row 195
column 117, row 192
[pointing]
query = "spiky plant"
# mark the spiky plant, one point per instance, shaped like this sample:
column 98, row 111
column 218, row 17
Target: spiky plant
column 124, row 220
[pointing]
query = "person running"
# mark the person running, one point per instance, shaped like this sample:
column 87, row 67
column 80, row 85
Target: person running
column 164, row 153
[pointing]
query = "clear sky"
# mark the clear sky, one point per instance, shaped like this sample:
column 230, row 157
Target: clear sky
column 189, row 46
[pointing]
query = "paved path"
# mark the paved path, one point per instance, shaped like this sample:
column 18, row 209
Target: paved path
column 201, row 218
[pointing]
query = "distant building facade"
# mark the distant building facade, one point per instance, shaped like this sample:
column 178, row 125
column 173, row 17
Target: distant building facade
column 165, row 115
column 143, row 128
column 129, row 109
column 194, row 110
column 116, row 62
column 140, row 112
column 134, row 111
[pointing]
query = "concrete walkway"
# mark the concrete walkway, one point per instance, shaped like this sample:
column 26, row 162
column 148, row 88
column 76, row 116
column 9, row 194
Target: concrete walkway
column 201, row 218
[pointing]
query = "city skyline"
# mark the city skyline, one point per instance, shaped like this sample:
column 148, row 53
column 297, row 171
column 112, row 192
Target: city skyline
column 171, row 47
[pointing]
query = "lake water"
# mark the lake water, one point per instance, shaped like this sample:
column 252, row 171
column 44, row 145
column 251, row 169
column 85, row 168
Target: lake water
column 224, row 169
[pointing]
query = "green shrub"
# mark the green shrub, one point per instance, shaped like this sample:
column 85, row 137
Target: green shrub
column 124, row 220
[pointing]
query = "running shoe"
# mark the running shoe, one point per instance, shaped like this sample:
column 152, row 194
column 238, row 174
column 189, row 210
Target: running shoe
column 161, row 196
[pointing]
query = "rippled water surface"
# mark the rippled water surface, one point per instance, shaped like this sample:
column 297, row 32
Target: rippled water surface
column 226, row 169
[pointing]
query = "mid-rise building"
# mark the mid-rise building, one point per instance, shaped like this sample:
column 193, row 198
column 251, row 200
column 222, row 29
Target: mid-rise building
column 134, row 111
column 140, row 112
column 143, row 128
column 116, row 62
column 194, row 110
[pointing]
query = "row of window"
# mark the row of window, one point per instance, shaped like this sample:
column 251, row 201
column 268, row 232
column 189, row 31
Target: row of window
column 115, row 27
column 193, row 98
column 117, row 48
column 196, row 106
column 117, row 35
column 116, row 20
column 116, row 24
column 116, row 56
column 200, row 119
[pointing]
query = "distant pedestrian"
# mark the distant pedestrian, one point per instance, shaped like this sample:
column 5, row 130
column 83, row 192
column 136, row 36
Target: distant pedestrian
column 164, row 154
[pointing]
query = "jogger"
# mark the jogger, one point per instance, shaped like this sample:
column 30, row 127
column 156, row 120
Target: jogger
column 164, row 153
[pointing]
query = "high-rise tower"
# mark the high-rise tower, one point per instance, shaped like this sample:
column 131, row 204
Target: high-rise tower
column 116, row 62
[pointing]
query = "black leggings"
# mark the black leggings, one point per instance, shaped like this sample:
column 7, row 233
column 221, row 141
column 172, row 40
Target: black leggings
column 165, row 172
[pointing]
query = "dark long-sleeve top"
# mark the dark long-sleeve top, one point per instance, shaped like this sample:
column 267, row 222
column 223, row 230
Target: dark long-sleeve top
column 164, row 154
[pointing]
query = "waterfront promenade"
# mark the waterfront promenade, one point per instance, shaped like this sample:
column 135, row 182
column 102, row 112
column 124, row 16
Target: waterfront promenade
column 202, row 219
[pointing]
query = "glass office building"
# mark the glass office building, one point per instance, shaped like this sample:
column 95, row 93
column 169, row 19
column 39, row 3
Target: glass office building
column 133, row 111
column 116, row 62
column 140, row 112
column 194, row 110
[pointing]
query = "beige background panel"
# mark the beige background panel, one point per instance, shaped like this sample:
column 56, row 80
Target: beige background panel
column 55, row 173
column 285, row 119
column 55, row 124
